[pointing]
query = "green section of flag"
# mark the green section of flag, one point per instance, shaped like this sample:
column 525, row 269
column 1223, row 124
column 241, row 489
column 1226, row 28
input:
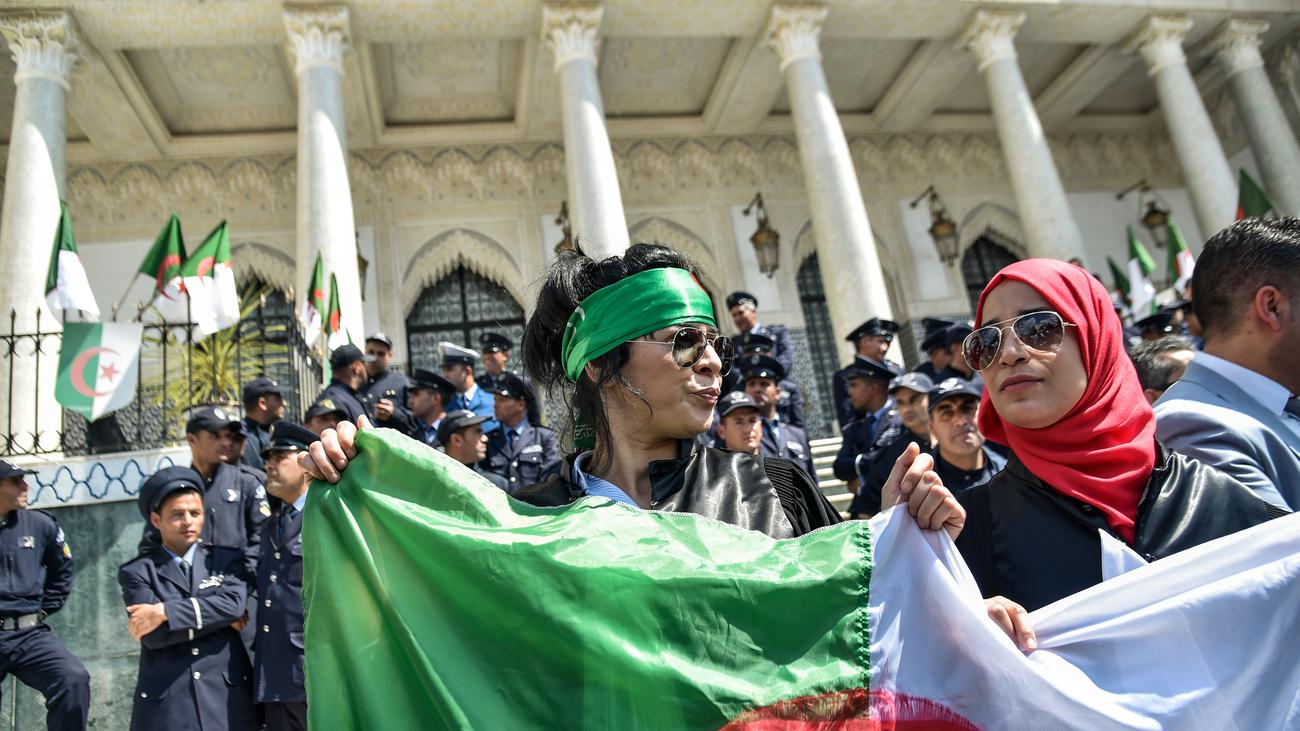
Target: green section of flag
column 78, row 367
column 63, row 241
column 164, row 260
column 333, row 317
column 316, row 290
column 1117, row 274
column 435, row 600
column 1252, row 201
column 1177, row 246
column 1137, row 252
column 214, row 250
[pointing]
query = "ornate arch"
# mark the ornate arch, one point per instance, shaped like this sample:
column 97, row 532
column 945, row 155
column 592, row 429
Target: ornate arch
column 264, row 262
column 995, row 222
column 676, row 236
column 475, row 251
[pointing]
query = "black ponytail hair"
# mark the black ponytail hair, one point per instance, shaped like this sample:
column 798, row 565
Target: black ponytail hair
column 572, row 278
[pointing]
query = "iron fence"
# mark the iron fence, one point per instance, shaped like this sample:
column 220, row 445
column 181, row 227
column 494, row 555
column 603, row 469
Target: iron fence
column 178, row 369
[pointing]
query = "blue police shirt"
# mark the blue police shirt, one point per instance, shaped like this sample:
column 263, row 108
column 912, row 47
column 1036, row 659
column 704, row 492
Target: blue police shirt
column 593, row 485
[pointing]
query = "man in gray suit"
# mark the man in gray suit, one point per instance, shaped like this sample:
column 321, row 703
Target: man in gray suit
column 1235, row 407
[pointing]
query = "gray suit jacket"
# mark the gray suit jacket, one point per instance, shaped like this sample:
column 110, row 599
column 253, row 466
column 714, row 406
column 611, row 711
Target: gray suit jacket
column 1212, row 420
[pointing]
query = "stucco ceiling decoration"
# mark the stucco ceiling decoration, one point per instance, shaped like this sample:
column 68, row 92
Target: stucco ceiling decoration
column 458, row 80
column 650, row 77
column 218, row 90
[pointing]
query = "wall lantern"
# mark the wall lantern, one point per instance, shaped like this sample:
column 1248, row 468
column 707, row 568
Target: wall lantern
column 1151, row 214
column 943, row 230
column 766, row 240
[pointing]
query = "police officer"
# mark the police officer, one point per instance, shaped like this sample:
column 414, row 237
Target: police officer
column 234, row 500
column 871, row 340
column 962, row 458
column 348, row 378
column 868, row 391
column 279, row 669
column 322, row 415
column 496, row 349
column 458, row 367
column 186, row 601
column 1156, row 325
column 909, row 392
column 384, row 393
column 427, row 398
column 790, row 405
column 938, row 356
column 263, row 406
column 462, row 438
column 744, row 315
column 950, row 339
column 37, row 572
column 762, row 374
column 518, row 451
column 740, row 425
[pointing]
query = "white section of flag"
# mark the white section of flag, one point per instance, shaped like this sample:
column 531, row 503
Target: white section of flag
column 311, row 323
column 72, row 288
column 116, row 377
column 171, row 301
column 337, row 339
column 1186, row 264
column 1143, row 292
column 226, row 296
column 1205, row 639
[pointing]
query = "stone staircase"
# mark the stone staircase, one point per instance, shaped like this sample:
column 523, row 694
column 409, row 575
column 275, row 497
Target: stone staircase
column 824, row 451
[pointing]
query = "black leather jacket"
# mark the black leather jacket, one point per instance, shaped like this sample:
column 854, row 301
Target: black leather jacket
column 770, row 495
column 1028, row 542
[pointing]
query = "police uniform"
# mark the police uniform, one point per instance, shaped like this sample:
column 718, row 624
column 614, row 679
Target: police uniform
column 194, row 673
column 428, row 380
column 340, row 393
column 389, row 385
column 475, row 399
column 932, row 340
column 456, row 420
column 844, row 412
column 35, row 579
column 888, row 446
column 524, row 452
column 858, row 447
column 279, row 671
column 782, row 347
column 955, row 478
column 496, row 343
column 256, row 433
column 789, row 404
column 779, row 439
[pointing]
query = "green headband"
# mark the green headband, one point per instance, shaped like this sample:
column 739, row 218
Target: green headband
column 630, row 308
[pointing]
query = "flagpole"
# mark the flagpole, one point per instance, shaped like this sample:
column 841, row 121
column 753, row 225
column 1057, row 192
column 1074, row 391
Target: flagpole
column 122, row 301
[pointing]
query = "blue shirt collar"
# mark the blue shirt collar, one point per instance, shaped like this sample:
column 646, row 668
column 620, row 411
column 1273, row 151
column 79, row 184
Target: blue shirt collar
column 593, row 485
column 300, row 502
column 187, row 558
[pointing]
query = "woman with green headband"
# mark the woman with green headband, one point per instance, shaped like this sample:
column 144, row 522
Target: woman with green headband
column 633, row 344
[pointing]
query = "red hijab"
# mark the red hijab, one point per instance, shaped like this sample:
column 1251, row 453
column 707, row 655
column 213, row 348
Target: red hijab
column 1102, row 451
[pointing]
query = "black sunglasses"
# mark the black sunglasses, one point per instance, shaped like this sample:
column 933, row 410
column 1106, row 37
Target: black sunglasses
column 689, row 344
column 1042, row 331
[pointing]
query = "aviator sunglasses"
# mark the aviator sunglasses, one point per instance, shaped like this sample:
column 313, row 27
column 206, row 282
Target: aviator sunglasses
column 689, row 344
column 1041, row 331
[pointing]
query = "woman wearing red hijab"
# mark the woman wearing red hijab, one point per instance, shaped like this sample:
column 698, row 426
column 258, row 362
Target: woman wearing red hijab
column 1062, row 394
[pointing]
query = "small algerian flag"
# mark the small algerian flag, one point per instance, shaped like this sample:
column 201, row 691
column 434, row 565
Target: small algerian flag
column 1117, row 274
column 335, row 334
column 163, row 265
column 210, row 282
column 97, row 367
column 1142, row 294
column 313, row 307
column 66, row 285
column 1181, row 261
column 468, row 608
column 1252, row 201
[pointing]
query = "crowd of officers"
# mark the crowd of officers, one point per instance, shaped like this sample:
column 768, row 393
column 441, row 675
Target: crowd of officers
column 215, row 594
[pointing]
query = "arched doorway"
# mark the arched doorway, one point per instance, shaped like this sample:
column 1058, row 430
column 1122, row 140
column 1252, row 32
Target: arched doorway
column 820, row 416
column 983, row 259
column 459, row 308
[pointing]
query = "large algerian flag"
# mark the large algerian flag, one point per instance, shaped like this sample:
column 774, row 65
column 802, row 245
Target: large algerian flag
column 1181, row 261
column 1252, row 201
column 210, row 282
column 313, row 306
column 97, row 367
column 163, row 265
column 435, row 600
column 66, row 285
column 1142, row 293
column 335, row 334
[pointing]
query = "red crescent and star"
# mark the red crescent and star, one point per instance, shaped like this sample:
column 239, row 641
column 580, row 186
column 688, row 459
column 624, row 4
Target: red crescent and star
column 78, row 371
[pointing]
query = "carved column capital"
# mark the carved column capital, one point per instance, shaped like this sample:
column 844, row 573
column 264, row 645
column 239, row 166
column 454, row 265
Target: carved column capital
column 1160, row 41
column 991, row 35
column 570, row 30
column 1237, row 44
column 793, row 30
column 41, row 45
column 319, row 36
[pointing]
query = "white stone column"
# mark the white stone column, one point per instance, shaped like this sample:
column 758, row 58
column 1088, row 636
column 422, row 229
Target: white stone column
column 42, row 48
column 1205, row 169
column 1048, row 223
column 846, row 248
column 318, row 37
column 595, row 204
column 1237, row 48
